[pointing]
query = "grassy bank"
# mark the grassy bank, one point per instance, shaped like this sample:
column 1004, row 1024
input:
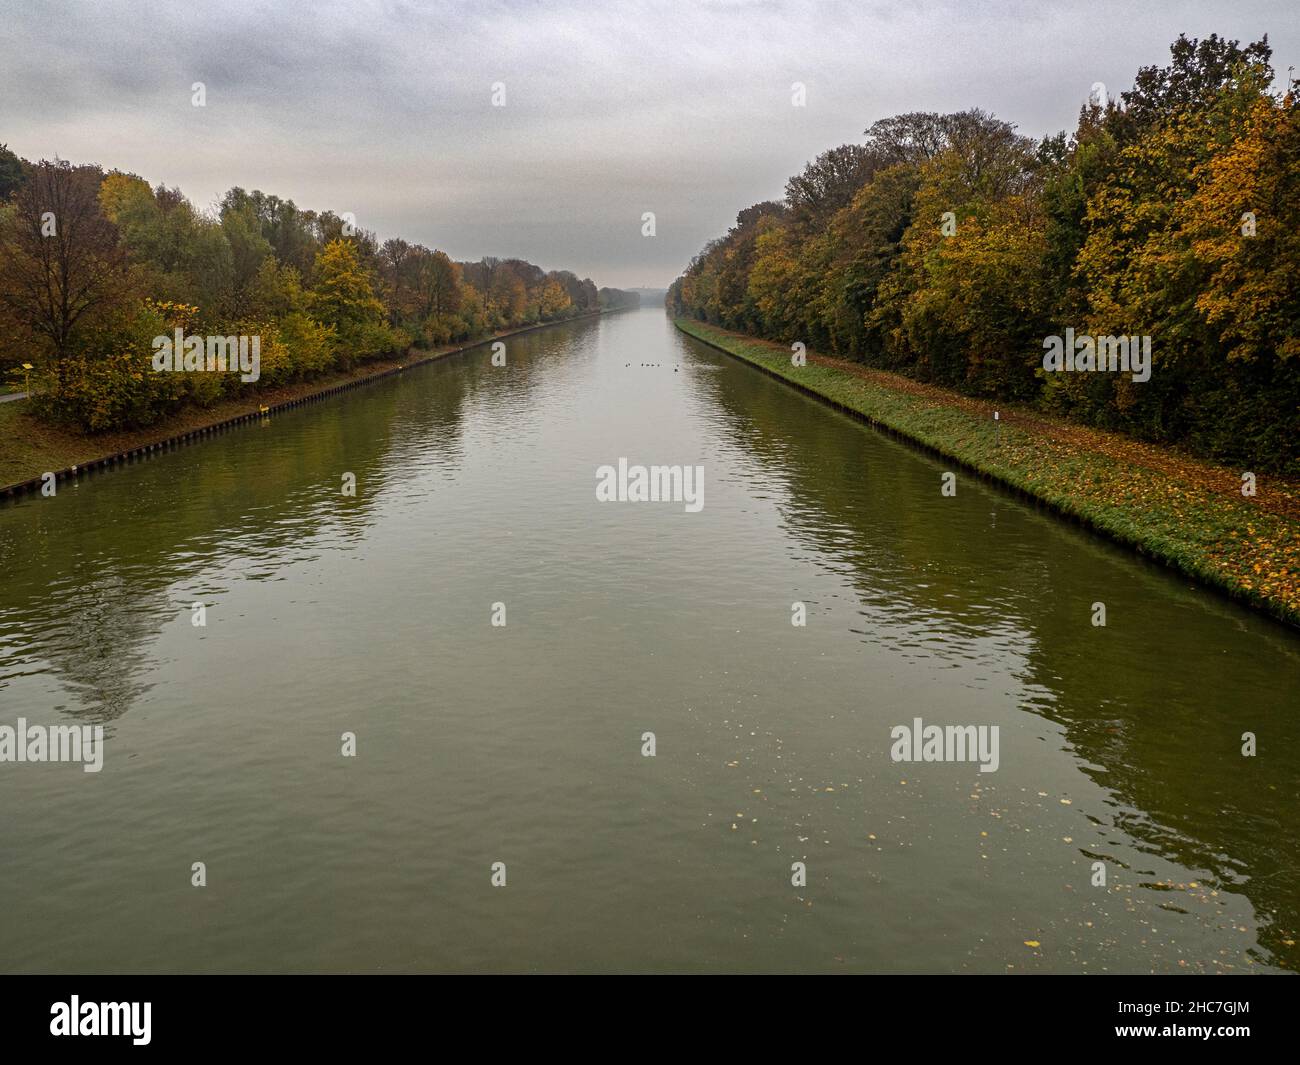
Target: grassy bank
column 30, row 447
column 1186, row 513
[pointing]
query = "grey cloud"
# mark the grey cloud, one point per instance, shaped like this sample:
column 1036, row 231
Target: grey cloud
column 383, row 108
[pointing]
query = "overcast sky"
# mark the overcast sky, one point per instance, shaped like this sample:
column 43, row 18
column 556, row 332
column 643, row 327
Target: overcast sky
column 384, row 107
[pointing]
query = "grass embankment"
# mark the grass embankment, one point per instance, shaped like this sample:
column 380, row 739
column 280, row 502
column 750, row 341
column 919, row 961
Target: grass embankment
column 1186, row 513
column 30, row 447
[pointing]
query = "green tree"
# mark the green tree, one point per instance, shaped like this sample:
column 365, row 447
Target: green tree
column 12, row 174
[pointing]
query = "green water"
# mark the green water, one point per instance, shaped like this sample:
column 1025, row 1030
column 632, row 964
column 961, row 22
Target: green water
column 522, row 743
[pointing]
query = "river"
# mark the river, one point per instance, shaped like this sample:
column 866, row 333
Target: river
column 1120, row 750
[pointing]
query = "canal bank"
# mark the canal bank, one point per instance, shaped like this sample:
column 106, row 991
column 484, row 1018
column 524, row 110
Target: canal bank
column 1186, row 514
column 66, row 454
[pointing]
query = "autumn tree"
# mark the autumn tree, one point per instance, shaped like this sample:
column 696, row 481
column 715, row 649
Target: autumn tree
column 344, row 292
column 1137, row 264
column 554, row 300
column 507, row 294
column 829, row 182
column 60, row 260
column 1196, row 74
column 437, row 284
column 863, row 241
column 1244, row 225
column 1170, row 214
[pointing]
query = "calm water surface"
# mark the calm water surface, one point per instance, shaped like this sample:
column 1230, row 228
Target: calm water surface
column 522, row 744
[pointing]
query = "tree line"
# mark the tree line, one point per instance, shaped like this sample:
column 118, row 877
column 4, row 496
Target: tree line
column 94, row 265
column 950, row 247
